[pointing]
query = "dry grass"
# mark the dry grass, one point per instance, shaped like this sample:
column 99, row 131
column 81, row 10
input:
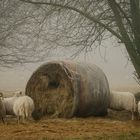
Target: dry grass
column 110, row 127
column 116, row 126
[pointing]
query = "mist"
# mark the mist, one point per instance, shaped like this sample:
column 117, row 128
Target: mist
column 112, row 60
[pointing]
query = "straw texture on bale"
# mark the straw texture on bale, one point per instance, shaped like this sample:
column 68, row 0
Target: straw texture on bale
column 67, row 89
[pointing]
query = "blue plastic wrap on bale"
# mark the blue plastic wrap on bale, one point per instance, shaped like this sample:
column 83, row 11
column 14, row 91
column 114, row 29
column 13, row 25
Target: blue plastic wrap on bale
column 81, row 89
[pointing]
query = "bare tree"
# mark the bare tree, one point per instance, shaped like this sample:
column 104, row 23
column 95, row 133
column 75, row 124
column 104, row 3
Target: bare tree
column 12, row 48
column 19, row 42
column 82, row 23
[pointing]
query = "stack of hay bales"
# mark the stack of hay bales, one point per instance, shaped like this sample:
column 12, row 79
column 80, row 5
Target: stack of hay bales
column 67, row 89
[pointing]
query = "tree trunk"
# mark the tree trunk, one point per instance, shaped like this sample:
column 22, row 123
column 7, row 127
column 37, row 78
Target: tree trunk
column 135, row 13
column 132, row 44
column 136, row 64
column 135, row 59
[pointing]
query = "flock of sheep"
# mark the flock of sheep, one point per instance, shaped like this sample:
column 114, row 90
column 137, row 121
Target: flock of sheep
column 19, row 105
column 22, row 106
column 125, row 101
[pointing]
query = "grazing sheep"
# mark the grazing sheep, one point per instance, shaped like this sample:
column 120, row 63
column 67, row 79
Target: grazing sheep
column 2, row 108
column 123, row 101
column 139, row 109
column 23, row 107
column 9, row 102
column 137, row 96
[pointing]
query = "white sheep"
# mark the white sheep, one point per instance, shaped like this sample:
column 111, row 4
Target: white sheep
column 2, row 108
column 23, row 107
column 123, row 101
column 11, row 94
column 139, row 109
column 9, row 102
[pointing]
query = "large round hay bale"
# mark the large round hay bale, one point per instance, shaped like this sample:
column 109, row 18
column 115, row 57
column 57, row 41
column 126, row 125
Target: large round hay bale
column 66, row 89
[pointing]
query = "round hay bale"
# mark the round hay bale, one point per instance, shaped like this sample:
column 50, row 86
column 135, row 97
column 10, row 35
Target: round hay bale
column 67, row 89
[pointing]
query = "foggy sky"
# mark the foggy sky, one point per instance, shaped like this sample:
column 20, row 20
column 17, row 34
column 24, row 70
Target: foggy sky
column 115, row 65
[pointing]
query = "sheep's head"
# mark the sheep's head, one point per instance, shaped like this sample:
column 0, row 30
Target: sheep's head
column 18, row 94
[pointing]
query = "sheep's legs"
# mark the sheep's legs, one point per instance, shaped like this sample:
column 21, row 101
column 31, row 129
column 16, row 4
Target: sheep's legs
column 18, row 119
column 23, row 120
column 3, row 120
column 132, row 116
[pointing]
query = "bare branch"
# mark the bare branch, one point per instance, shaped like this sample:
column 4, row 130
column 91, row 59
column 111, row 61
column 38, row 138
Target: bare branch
column 87, row 15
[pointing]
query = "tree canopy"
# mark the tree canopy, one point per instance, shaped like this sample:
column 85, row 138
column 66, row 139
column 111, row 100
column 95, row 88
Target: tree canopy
column 79, row 24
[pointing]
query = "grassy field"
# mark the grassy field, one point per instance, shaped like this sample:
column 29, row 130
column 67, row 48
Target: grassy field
column 115, row 126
